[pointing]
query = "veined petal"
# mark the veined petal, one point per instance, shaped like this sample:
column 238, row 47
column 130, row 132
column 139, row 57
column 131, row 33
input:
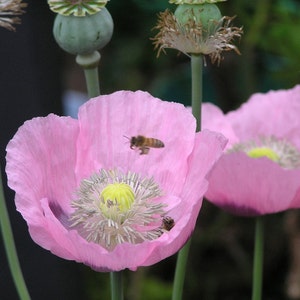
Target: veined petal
column 269, row 114
column 49, row 232
column 103, row 143
column 40, row 163
column 251, row 187
column 214, row 119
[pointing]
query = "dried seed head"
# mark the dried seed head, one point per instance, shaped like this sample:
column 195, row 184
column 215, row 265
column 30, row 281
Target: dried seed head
column 196, row 35
column 8, row 10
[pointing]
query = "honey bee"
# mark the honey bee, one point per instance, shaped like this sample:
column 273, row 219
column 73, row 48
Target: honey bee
column 167, row 223
column 144, row 144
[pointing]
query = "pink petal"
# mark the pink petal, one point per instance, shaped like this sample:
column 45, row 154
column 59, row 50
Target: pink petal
column 269, row 114
column 40, row 164
column 103, row 145
column 214, row 119
column 247, row 186
column 41, row 158
column 49, row 232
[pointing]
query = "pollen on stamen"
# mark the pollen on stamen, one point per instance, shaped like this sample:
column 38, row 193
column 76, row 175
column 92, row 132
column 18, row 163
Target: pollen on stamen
column 114, row 208
column 278, row 150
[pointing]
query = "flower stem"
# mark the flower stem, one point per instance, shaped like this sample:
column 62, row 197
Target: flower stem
column 10, row 248
column 180, row 271
column 89, row 63
column 116, row 284
column 258, row 260
column 196, row 70
column 196, row 67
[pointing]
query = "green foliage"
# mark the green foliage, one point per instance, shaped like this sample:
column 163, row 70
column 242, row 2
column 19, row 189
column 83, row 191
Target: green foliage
column 156, row 289
column 152, row 5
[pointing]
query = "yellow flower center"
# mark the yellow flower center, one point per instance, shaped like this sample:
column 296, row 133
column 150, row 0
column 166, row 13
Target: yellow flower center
column 263, row 152
column 116, row 196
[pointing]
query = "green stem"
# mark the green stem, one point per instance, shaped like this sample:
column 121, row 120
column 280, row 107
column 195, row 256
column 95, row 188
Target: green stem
column 196, row 70
column 248, row 69
column 260, row 19
column 10, row 248
column 258, row 260
column 197, row 73
column 116, row 284
column 90, row 62
column 180, row 271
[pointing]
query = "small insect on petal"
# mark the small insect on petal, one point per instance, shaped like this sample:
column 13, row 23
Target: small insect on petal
column 144, row 143
column 167, row 223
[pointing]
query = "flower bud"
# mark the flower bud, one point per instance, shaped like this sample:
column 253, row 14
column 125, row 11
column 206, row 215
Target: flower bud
column 82, row 35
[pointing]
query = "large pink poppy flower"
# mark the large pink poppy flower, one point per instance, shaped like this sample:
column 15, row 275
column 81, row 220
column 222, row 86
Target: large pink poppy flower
column 260, row 172
column 87, row 196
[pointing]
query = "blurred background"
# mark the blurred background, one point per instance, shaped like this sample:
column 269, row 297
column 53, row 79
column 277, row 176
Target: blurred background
column 37, row 77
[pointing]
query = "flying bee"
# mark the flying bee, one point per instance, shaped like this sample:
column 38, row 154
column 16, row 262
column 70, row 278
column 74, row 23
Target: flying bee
column 167, row 223
column 144, row 144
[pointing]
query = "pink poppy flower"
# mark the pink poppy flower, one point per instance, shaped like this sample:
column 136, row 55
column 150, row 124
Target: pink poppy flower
column 87, row 196
column 260, row 171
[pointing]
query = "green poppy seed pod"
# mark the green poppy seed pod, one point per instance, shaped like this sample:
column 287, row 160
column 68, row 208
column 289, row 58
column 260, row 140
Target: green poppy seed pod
column 207, row 15
column 82, row 35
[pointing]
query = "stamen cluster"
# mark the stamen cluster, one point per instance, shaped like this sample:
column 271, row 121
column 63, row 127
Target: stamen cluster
column 109, row 218
column 278, row 150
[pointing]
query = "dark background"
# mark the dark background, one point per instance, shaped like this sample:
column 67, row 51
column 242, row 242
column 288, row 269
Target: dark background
column 34, row 74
